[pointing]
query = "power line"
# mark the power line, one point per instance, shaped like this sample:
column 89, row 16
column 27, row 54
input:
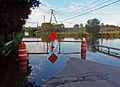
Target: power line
column 45, row 5
column 92, row 3
column 95, row 2
column 74, row 11
column 91, row 10
column 95, row 6
column 88, row 5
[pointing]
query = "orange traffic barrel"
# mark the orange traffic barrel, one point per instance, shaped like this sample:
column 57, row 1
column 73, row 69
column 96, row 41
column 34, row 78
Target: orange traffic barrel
column 83, row 48
column 22, row 45
column 22, row 52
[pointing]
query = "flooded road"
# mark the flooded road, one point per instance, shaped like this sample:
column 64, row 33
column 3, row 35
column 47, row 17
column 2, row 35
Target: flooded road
column 39, row 67
column 42, row 68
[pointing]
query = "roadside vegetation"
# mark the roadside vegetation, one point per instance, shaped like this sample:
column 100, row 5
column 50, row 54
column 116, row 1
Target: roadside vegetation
column 13, row 15
column 93, row 27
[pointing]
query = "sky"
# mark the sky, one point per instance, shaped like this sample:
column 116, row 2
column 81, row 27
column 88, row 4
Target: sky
column 66, row 9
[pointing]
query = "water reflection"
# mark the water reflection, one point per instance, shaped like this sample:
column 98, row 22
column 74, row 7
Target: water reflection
column 91, row 42
column 39, row 67
column 42, row 68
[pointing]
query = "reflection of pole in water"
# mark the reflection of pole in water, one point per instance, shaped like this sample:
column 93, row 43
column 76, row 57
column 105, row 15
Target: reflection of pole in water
column 52, row 47
column 56, row 48
column 47, row 46
column 44, row 45
column 101, row 41
column 37, row 33
column 59, row 47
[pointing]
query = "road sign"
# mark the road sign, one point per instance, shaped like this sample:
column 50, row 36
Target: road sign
column 53, row 36
column 53, row 58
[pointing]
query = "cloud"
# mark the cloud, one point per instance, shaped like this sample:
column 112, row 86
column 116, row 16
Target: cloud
column 37, row 14
column 70, row 8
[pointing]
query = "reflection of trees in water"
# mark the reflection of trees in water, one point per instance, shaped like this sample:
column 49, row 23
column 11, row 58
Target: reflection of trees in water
column 91, row 41
column 45, row 37
column 107, row 38
column 110, row 37
column 61, row 36
column 75, row 36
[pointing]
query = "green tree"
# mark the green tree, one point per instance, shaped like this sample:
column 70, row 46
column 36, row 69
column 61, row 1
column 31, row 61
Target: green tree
column 102, row 25
column 81, row 25
column 76, row 26
column 13, row 15
column 47, row 27
column 59, row 27
column 93, row 26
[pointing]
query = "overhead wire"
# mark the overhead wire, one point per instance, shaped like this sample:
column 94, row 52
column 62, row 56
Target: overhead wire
column 80, row 8
column 86, row 6
column 91, row 10
column 95, row 6
column 92, row 3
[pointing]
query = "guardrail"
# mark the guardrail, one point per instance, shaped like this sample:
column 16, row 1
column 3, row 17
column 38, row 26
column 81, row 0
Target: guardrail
column 35, row 41
column 48, row 47
column 108, row 50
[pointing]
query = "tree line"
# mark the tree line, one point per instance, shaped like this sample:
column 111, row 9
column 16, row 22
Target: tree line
column 92, row 27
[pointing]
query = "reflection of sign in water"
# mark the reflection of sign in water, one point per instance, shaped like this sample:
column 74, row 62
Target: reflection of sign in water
column 53, row 58
column 53, row 36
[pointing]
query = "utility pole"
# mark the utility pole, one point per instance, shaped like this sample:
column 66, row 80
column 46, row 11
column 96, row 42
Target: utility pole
column 43, row 18
column 52, row 14
column 37, row 32
column 37, row 24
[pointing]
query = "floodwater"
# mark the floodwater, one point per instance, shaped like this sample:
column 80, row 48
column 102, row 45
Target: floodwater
column 39, row 67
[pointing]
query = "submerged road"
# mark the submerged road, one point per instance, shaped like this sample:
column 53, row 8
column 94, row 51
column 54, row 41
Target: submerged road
column 84, row 73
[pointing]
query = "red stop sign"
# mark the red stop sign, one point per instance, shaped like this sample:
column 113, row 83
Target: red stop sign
column 53, row 36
